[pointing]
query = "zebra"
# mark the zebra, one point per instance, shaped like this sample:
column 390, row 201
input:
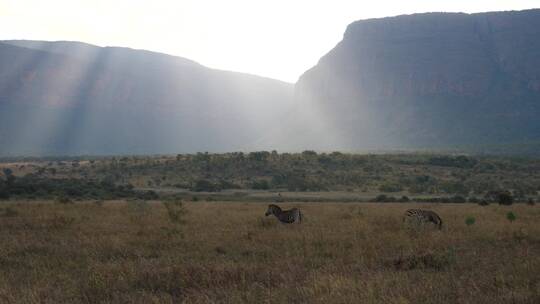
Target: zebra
column 425, row 216
column 287, row 216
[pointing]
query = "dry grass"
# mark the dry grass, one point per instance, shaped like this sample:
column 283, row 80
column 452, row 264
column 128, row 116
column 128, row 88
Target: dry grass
column 132, row 252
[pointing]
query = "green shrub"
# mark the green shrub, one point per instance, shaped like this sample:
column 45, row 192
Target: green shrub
column 470, row 220
column 260, row 185
column 511, row 216
column 506, row 198
column 501, row 197
column 390, row 187
column 204, row 185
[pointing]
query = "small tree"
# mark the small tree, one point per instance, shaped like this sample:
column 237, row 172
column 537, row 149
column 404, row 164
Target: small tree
column 511, row 216
column 483, row 203
column 505, row 198
column 501, row 197
column 470, row 220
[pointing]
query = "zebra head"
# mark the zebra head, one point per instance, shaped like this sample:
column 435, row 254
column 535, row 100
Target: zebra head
column 436, row 219
column 272, row 209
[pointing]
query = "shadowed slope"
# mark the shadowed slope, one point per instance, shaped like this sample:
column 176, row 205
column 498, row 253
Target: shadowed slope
column 76, row 98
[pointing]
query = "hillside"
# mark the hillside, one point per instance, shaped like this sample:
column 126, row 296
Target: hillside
column 435, row 80
column 74, row 98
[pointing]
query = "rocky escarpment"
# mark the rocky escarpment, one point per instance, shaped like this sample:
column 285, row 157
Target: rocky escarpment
column 436, row 79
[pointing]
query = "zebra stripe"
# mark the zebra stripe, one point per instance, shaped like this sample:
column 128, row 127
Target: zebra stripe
column 285, row 216
column 425, row 216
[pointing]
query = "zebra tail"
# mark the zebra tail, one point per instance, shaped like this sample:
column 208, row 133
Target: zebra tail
column 300, row 216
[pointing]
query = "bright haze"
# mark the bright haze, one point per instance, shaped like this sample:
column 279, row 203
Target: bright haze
column 277, row 39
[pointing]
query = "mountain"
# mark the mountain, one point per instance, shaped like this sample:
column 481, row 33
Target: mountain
column 434, row 80
column 441, row 81
column 76, row 98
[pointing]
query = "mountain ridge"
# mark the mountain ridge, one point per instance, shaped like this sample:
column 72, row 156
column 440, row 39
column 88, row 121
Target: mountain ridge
column 124, row 101
column 429, row 80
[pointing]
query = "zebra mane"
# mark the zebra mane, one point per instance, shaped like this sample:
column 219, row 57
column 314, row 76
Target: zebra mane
column 274, row 207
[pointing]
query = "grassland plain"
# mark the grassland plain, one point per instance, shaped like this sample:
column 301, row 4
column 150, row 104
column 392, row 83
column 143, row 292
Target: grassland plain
column 216, row 252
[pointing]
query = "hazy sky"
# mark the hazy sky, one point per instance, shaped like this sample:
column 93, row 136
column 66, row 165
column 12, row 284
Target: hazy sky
column 276, row 38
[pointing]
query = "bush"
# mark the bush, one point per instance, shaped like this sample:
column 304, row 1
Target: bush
column 450, row 161
column 530, row 202
column 390, row 187
column 473, row 200
column 260, row 185
column 404, row 199
column 384, row 199
column 454, row 187
column 458, row 199
column 505, row 198
column 205, row 185
column 470, row 220
column 64, row 200
column 223, row 184
column 501, row 197
column 483, row 203
column 148, row 195
column 511, row 216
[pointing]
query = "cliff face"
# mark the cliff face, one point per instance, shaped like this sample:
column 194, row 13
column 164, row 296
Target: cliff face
column 436, row 79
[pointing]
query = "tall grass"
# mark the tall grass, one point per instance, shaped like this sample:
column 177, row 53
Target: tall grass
column 231, row 253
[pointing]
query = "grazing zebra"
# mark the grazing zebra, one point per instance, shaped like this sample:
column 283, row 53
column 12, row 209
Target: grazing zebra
column 425, row 216
column 287, row 216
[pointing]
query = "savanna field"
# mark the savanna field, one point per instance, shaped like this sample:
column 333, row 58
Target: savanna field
column 138, row 251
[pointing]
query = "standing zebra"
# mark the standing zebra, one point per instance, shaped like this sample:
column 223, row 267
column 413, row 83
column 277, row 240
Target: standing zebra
column 285, row 216
column 423, row 216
